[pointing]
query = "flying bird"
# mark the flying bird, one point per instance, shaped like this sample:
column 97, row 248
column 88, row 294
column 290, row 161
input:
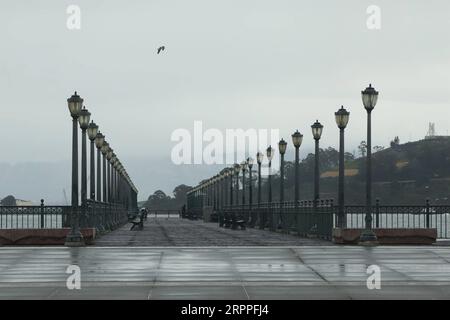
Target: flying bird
column 161, row 49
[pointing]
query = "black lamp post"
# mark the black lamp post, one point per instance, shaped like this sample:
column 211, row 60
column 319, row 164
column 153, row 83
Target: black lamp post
column 237, row 168
column 99, row 139
column 369, row 98
column 92, row 131
column 224, row 188
column 83, row 119
column 317, row 129
column 75, row 238
column 244, row 169
column 297, row 139
column 250, row 192
column 259, row 159
column 112, row 161
column 230, row 176
column 109, row 156
column 282, row 149
column 104, row 150
column 342, row 117
column 269, row 154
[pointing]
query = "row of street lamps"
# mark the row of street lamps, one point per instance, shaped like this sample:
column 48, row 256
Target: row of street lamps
column 118, row 187
column 369, row 98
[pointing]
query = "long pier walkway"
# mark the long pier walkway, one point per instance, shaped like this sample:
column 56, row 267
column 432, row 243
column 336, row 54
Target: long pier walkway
column 175, row 232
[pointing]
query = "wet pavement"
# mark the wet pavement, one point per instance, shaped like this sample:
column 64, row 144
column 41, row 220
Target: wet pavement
column 187, row 233
column 307, row 272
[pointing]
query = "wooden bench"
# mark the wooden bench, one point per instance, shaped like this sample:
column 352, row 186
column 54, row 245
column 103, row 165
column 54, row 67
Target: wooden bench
column 138, row 222
column 230, row 221
column 241, row 223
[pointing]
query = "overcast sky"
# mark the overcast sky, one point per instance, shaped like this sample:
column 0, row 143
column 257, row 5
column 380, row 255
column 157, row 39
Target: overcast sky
column 232, row 64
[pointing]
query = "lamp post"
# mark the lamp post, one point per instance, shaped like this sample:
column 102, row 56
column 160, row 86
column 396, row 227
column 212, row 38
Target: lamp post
column 104, row 150
column 75, row 238
column 109, row 155
column 369, row 98
column 317, row 133
column 237, row 168
column 250, row 192
column 269, row 154
column 259, row 159
column 342, row 117
column 282, row 149
column 99, row 139
column 317, row 129
column 230, row 175
column 92, row 131
column 244, row 169
column 113, row 161
column 83, row 119
column 297, row 139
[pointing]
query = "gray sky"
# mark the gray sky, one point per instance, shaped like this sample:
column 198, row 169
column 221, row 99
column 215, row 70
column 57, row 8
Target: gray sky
column 232, row 64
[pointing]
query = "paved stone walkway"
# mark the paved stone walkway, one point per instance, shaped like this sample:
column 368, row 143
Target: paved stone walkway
column 311, row 272
column 187, row 233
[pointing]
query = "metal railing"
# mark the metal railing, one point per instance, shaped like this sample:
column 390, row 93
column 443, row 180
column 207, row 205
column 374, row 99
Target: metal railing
column 304, row 219
column 402, row 216
column 307, row 219
column 99, row 215
column 164, row 213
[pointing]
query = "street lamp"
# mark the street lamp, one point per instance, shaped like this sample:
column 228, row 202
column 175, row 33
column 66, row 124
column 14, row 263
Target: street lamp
column 104, row 149
column 317, row 133
column 259, row 160
column 282, row 149
column 244, row 169
column 342, row 117
column 369, row 98
column 92, row 131
column 297, row 139
column 109, row 156
column 250, row 191
column 99, row 139
column 237, row 168
column 74, row 238
column 269, row 154
column 113, row 161
column 83, row 119
column 230, row 175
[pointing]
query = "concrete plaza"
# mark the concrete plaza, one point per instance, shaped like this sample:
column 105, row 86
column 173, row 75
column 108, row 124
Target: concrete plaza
column 308, row 272
column 182, row 259
column 175, row 232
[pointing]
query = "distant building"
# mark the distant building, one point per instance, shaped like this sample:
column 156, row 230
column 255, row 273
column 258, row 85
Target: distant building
column 20, row 202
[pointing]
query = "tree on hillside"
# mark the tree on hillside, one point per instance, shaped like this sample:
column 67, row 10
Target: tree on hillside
column 395, row 142
column 378, row 148
column 348, row 156
column 362, row 148
column 158, row 200
column 179, row 193
column 8, row 201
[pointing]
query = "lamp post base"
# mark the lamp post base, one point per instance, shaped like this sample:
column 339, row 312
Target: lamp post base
column 74, row 240
column 368, row 238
